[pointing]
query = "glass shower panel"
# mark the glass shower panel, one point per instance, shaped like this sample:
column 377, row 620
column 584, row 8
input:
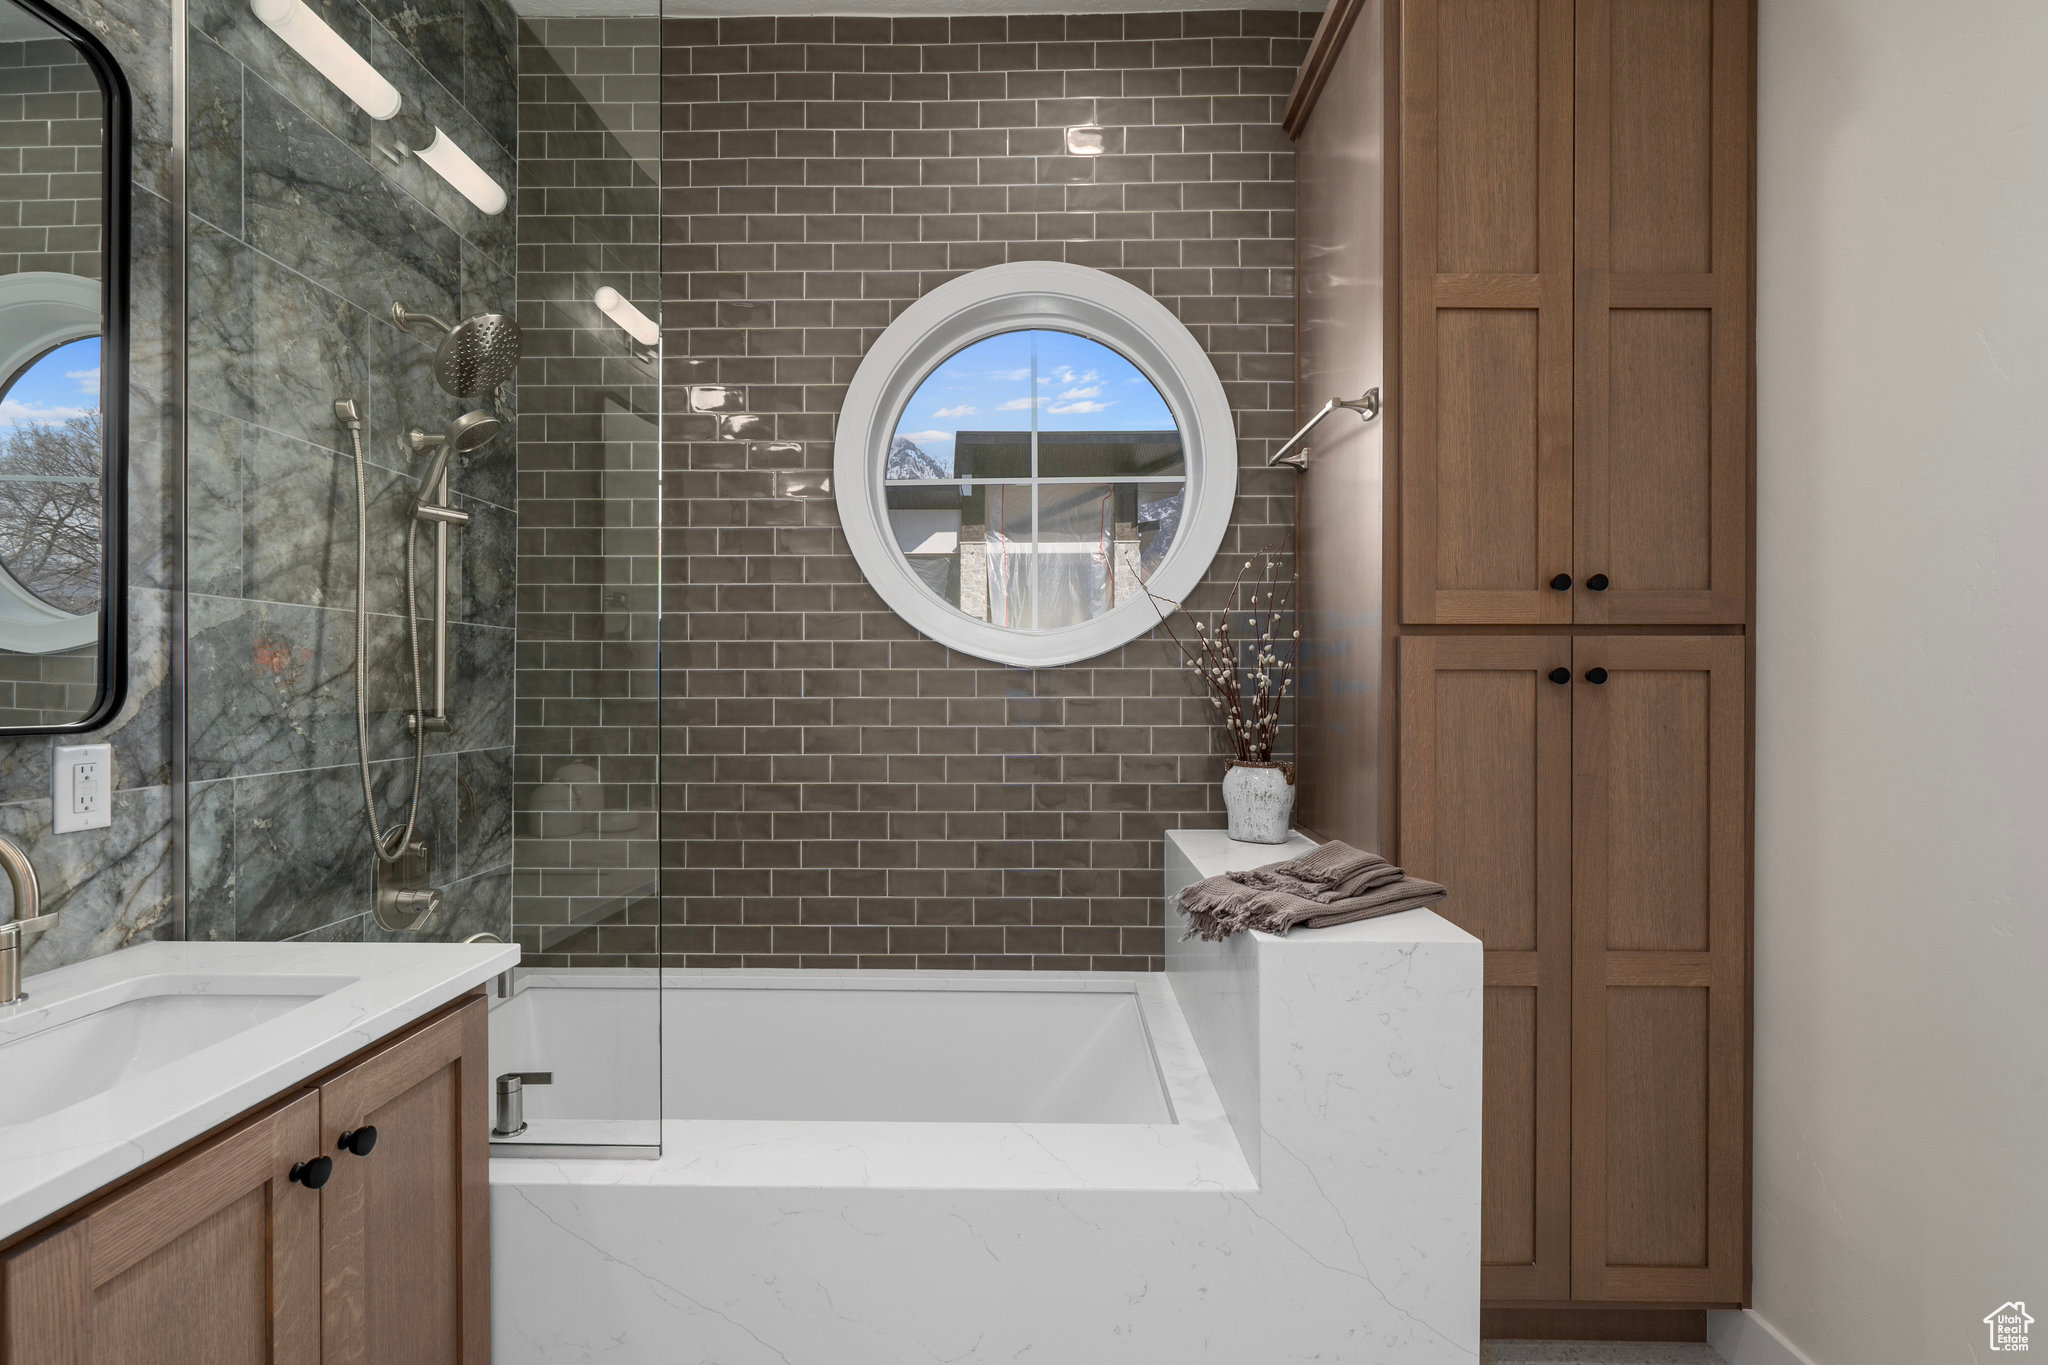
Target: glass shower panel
column 422, row 235
column 586, row 1007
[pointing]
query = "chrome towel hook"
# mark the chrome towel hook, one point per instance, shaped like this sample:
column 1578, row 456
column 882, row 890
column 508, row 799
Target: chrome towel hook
column 1294, row 455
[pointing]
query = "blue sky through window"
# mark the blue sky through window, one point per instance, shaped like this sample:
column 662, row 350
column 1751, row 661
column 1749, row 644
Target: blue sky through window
column 1081, row 385
column 64, row 384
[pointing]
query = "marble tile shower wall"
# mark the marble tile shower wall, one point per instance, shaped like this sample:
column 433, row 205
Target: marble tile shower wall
column 587, row 739
column 302, row 235
column 837, row 789
column 113, row 886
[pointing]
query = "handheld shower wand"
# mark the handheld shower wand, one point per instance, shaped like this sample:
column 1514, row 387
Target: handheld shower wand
column 471, row 431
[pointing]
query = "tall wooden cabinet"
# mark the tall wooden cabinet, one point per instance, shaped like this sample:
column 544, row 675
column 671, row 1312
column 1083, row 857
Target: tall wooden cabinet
column 233, row 1254
column 1569, row 462
column 1585, row 798
column 1574, row 208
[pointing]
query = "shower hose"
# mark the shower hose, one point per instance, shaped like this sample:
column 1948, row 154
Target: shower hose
column 389, row 848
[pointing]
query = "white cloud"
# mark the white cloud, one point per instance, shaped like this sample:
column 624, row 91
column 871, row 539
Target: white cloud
column 1092, row 391
column 964, row 410
column 13, row 413
column 1078, row 407
column 1022, row 404
column 88, row 381
column 927, row 437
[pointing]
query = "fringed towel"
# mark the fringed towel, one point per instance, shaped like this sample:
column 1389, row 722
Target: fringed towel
column 1334, row 884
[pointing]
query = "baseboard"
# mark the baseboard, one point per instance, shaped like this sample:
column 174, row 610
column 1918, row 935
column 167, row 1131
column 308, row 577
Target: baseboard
column 1592, row 1324
column 1742, row 1338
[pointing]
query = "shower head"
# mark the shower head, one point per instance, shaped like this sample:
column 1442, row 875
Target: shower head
column 476, row 354
column 471, row 431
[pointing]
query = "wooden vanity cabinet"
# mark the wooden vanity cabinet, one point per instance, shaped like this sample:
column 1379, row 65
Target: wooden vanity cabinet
column 405, row 1253
column 220, row 1255
column 214, row 1257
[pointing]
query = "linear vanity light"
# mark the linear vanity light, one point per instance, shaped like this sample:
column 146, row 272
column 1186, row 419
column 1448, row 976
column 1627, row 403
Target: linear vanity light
column 456, row 167
column 329, row 53
column 619, row 309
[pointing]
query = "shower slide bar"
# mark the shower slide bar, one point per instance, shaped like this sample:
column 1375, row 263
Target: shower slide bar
column 1294, row 455
column 434, row 504
column 443, row 516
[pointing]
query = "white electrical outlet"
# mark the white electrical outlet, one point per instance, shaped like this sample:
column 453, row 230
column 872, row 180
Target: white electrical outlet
column 83, row 782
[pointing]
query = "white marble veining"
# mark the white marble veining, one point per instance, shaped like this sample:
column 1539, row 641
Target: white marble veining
column 1348, row 1059
column 112, row 1062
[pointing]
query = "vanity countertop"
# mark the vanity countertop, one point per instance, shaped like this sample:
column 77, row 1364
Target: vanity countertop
column 110, row 1063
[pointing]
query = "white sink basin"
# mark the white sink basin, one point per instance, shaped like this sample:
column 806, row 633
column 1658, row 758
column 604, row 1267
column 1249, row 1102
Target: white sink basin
column 58, row 1057
column 112, row 1062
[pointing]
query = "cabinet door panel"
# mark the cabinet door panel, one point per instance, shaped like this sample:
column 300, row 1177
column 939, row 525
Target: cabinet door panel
column 1485, row 389
column 1661, row 502
column 216, row 1257
column 1485, row 806
column 1660, row 968
column 404, row 1231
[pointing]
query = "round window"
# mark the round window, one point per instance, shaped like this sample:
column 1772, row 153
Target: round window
column 1030, row 456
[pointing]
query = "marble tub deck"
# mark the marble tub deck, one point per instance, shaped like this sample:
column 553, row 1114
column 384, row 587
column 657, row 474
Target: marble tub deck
column 1344, row 1066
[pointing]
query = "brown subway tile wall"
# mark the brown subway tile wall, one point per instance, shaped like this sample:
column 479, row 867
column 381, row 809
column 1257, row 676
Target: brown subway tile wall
column 837, row 790
column 586, row 741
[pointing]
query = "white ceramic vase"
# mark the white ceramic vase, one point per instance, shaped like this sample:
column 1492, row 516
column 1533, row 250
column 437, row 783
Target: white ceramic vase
column 1260, row 800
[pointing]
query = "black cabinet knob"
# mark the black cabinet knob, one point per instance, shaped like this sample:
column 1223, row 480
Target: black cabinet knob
column 1563, row 582
column 1598, row 582
column 1596, row 676
column 361, row 1140
column 1560, row 675
column 313, row 1174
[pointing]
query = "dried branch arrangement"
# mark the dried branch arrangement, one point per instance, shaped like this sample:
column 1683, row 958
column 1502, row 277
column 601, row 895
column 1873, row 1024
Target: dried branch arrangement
column 1247, row 675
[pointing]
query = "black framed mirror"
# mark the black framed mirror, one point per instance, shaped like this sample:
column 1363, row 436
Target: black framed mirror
column 64, row 148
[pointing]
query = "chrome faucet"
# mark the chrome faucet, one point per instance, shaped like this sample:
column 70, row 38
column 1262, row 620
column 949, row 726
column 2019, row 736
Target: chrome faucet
column 28, row 920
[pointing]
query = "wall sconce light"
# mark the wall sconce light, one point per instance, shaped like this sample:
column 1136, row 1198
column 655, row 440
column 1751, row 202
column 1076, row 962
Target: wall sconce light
column 637, row 324
column 327, row 52
column 1087, row 139
column 454, row 165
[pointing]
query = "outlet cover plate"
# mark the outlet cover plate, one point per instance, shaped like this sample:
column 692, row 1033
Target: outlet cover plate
column 81, row 787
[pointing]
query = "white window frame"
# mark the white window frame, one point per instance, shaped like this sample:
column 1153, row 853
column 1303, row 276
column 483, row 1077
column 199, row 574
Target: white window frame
column 1054, row 296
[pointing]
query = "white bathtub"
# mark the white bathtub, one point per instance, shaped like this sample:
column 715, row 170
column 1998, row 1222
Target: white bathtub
column 1268, row 1153
column 873, row 1047
column 914, row 1079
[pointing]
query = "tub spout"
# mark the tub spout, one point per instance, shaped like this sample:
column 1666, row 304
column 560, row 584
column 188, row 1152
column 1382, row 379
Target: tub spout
column 511, row 1121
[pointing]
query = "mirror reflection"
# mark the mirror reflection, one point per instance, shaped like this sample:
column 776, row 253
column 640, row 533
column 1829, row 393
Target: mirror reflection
column 53, row 441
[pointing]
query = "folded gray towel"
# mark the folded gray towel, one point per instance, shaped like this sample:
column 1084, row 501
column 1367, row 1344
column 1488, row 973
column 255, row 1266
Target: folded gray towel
column 1334, row 884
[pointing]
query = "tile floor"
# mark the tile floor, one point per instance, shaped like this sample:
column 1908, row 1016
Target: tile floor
column 1597, row 1353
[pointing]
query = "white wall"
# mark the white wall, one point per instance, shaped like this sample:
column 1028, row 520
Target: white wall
column 1902, row 729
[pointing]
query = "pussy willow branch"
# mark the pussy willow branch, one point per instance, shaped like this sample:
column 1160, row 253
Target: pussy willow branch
column 1247, row 697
